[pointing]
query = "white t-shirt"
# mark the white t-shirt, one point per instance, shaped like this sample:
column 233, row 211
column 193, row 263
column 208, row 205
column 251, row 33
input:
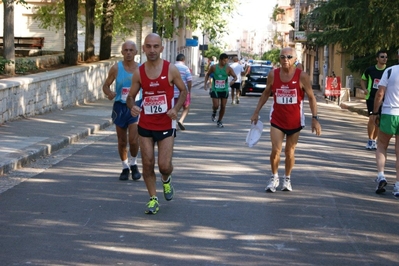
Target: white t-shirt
column 237, row 68
column 391, row 98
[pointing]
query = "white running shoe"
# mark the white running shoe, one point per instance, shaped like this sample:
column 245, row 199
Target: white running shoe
column 395, row 190
column 381, row 183
column 369, row 145
column 374, row 145
column 273, row 184
column 286, row 185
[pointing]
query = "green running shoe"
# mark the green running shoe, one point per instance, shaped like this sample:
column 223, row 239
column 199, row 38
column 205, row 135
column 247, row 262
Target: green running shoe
column 152, row 206
column 168, row 190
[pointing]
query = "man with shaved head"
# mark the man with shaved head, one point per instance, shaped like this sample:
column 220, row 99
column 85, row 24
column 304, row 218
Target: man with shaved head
column 125, row 123
column 158, row 114
column 289, row 85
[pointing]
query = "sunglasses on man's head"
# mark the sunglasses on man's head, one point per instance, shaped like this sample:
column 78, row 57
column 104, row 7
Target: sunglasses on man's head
column 383, row 56
column 286, row 56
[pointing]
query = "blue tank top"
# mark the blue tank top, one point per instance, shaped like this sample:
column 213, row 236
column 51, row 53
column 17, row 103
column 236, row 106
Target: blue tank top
column 123, row 83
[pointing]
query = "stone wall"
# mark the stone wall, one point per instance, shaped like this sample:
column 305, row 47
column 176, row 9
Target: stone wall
column 43, row 92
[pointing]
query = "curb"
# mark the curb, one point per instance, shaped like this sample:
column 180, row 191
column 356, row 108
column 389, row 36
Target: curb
column 49, row 146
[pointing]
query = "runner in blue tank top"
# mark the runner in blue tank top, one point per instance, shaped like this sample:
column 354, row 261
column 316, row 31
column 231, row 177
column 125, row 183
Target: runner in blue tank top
column 125, row 123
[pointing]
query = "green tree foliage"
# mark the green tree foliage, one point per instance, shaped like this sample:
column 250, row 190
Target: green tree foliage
column 125, row 17
column 277, row 11
column 208, row 15
column 213, row 51
column 361, row 27
column 51, row 15
column 272, row 55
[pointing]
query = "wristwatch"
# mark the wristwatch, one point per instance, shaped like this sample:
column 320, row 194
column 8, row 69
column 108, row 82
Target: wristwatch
column 315, row 117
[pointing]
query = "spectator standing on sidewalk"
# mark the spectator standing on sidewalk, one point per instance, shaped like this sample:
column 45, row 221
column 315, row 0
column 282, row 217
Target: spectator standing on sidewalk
column 220, row 86
column 187, row 79
column 387, row 97
column 289, row 85
column 369, row 83
column 239, row 70
column 158, row 114
column 125, row 123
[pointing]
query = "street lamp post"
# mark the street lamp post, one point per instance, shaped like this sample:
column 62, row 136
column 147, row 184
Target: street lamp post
column 316, row 73
column 154, row 16
column 202, row 73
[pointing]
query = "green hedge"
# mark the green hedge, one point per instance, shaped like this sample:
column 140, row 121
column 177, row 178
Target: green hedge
column 22, row 65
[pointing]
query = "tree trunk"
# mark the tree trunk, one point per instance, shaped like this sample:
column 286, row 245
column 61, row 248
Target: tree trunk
column 106, row 29
column 89, row 38
column 71, row 32
column 8, row 37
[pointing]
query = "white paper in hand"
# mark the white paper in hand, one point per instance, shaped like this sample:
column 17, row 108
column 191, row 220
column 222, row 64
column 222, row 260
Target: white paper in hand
column 254, row 134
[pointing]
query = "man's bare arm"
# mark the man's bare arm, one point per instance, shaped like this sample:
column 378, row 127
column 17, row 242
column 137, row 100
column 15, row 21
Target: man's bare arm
column 307, row 87
column 178, row 82
column 108, row 82
column 263, row 98
column 134, row 89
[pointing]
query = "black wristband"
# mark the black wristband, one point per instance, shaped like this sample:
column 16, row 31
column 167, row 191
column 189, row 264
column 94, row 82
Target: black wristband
column 372, row 113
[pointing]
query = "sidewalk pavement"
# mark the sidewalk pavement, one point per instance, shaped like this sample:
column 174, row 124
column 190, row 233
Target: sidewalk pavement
column 26, row 139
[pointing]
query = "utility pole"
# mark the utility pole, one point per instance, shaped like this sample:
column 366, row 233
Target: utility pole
column 154, row 16
column 316, row 73
column 202, row 73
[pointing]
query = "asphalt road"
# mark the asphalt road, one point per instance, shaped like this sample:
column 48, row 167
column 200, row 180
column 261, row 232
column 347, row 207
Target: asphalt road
column 71, row 209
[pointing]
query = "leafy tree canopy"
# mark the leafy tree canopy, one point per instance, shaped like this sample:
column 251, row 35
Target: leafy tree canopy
column 361, row 27
column 276, row 12
column 272, row 55
column 213, row 51
column 207, row 15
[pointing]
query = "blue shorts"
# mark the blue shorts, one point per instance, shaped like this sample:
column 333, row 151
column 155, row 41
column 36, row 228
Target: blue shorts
column 121, row 115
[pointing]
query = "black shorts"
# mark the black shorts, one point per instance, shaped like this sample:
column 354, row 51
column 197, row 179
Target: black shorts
column 370, row 106
column 219, row 94
column 156, row 135
column 236, row 86
column 287, row 131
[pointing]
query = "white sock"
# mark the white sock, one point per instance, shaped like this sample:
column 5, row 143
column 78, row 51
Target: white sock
column 397, row 184
column 287, row 177
column 125, row 164
column 154, row 197
column 275, row 175
column 133, row 160
column 380, row 174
